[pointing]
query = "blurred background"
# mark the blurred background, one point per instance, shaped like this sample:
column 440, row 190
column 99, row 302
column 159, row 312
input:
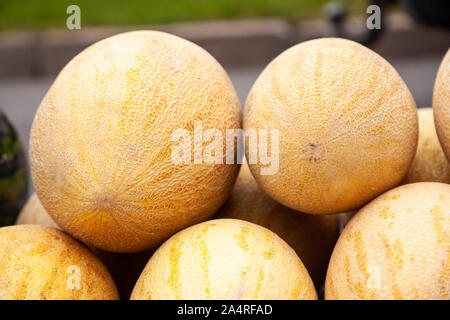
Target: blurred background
column 244, row 35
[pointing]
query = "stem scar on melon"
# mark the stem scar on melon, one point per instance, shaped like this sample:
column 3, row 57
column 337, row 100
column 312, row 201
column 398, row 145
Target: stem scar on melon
column 313, row 151
column 100, row 146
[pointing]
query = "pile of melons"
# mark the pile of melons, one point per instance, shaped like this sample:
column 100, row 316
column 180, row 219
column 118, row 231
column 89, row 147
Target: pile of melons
column 114, row 215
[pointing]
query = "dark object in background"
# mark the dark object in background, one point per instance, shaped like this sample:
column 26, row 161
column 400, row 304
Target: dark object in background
column 125, row 268
column 430, row 12
column 336, row 13
column 13, row 173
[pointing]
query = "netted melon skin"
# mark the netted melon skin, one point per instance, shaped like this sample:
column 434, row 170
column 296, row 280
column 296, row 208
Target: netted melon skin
column 347, row 125
column 41, row 263
column 225, row 259
column 311, row 236
column 396, row 247
column 125, row 268
column 441, row 104
column 101, row 141
column 430, row 163
column 34, row 213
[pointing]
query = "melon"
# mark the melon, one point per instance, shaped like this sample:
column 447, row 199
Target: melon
column 125, row 268
column 441, row 104
column 430, row 163
column 13, row 173
column 34, row 213
column 395, row 247
column 103, row 141
column 312, row 237
column 41, row 263
column 346, row 121
column 224, row 259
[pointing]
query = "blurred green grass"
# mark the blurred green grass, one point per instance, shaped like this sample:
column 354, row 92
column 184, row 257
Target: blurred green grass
column 42, row 14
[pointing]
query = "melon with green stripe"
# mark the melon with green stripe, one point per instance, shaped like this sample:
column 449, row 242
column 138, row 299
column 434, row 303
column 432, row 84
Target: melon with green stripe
column 13, row 173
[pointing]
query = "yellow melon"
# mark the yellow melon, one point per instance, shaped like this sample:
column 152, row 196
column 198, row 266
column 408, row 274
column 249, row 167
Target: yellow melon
column 44, row 263
column 125, row 268
column 312, row 237
column 347, row 125
column 224, row 259
column 34, row 213
column 102, row 141
column 396, row 247
column 441, row 104
column 430, row 163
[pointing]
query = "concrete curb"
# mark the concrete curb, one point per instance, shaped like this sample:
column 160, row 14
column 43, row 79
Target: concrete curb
column 232, row 43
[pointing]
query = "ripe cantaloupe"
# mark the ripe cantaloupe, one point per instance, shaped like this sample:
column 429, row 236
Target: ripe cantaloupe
column 312, row 237
column 347, row 125
column 101, row 142
column 44, row 263
column 34, row 213
column 441, row 104
column 224, row 259
column 396, row 247
column 430, row 163
column 125, row 268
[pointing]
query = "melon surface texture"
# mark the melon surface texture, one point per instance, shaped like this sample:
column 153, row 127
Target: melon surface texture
column 125, row 268
column 347, row 125
column 312, row 237
column 101, row 141
column 34, row 213
column 430, row 163
column 395, row 247
column 441, row 104
column 224, row 259
column 44, row 263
